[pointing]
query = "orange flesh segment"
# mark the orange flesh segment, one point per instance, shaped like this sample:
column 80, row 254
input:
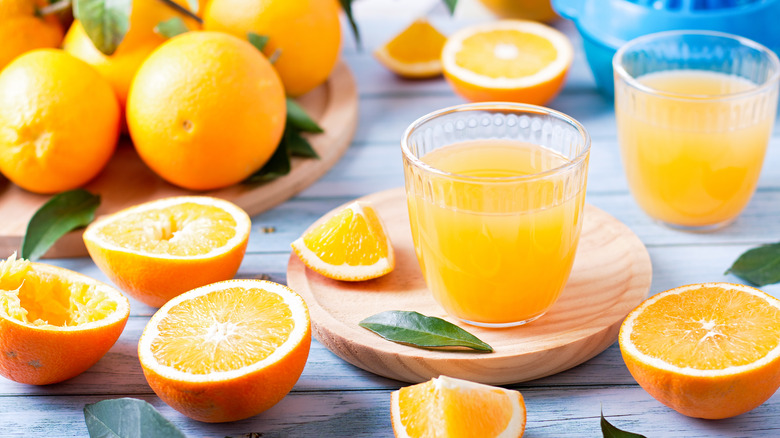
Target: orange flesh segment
column 41, row 299
column 505, row 54
column 223, row 330
column 349, row 238
column 420, row 42
column 686, row 331
column 453, row 412
column 186, row 229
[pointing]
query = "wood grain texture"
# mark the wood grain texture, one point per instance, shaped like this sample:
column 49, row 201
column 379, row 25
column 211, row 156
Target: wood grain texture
column 611, row 276
column 127, row 181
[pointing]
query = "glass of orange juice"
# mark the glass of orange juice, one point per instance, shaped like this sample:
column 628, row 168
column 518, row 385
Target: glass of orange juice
column 495, row 193
column 694, row 113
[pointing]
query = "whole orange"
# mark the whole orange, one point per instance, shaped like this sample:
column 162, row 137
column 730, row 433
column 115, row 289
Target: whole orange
column 206, row 110
column 21, row 30
column 59, row 121
column 140, row 40
column 306, row 33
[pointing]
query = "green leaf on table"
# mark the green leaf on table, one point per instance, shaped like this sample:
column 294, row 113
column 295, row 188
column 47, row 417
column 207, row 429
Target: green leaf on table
column 259, row 41
column 610, row 431
column 171, row 28
column 451, row 4
column 297, row 145
column 62, row 213
column 127, row 418
column 105, row 22
column 347, row 6
column 759, row 266
column 418, row 330
column 297, row 118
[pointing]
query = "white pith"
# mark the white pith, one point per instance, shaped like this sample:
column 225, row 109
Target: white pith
column 631, row 350
column 515, row 424
column 345, row 270
column 243, row 225
column 151, row 332
column 562, row 45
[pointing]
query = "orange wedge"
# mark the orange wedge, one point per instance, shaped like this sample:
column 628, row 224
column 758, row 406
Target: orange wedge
column 226, row 351
column 352, row 245
column 415, row 52
column 448, row 407
column 54, row 323
column 507, row 60
column 159, row 249
column 707, row 350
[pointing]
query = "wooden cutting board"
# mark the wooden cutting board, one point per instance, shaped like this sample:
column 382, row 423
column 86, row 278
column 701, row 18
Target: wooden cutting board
column 126, row 180
column 610, row 277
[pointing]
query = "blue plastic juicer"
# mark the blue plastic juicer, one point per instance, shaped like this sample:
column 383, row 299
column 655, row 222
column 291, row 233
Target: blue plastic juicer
column 605, row 25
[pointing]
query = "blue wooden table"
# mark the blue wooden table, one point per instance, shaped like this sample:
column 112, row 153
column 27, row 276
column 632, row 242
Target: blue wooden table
column 335, row 399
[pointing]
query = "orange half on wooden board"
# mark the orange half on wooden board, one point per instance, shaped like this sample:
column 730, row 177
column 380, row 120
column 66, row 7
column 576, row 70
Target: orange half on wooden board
column 707, row 350
column 507, row 60
column 54, row 323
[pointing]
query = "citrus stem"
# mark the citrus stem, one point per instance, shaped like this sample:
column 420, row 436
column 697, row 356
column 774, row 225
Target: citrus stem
column 54, row 8
column 183, row 10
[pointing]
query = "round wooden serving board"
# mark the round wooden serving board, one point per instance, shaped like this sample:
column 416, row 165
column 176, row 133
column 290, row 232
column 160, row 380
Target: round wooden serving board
column 611, row 276
column 126, row 180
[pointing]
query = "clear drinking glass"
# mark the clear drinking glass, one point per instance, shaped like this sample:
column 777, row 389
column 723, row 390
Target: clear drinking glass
column 496, row 194
column 694, row 113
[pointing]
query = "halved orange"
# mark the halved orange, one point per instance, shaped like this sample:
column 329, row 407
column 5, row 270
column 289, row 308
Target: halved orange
column 226, row 351
column 54, row 323
column 507, row 60
column 159, row 249
column 449, row 407
column 352, row 245
column 708, row 350
column 415, row 52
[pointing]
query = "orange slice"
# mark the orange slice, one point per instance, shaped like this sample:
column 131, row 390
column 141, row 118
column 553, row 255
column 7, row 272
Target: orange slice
column 448, row 407
column 226, row 351
column 352, row 245
column 159, row 249
column 415, row 52
column 707, row 350
column 54, row 323
column 507, row 60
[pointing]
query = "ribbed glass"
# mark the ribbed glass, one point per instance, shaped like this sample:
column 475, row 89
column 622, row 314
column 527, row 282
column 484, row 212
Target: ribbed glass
column 507, row 238
column 694, row 113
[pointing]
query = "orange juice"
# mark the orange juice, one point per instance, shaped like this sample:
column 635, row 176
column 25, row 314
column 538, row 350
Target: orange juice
column 693, row 161
column 498, row 251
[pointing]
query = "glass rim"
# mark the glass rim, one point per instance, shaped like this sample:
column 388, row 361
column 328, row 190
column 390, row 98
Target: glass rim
column 493, row 106
column 632, row 81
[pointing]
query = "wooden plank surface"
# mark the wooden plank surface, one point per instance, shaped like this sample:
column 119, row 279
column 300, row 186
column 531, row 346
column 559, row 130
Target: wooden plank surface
column 335, row 399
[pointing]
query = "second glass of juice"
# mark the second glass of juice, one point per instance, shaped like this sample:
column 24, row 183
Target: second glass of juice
column 694, row 113
column 496, row 195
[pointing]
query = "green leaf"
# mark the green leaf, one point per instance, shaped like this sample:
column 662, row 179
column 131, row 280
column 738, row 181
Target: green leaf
column 759, row 266
column 347, row 6
column 172, row 27
column 105, row 21
column 62, row 213
column 297, row 117
column 193, row 6
column 451, row 4
column 278, row 165
column 259, row 41
column 297, row 145
column 610, row 431
column 127, row 418
column 416, row 329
